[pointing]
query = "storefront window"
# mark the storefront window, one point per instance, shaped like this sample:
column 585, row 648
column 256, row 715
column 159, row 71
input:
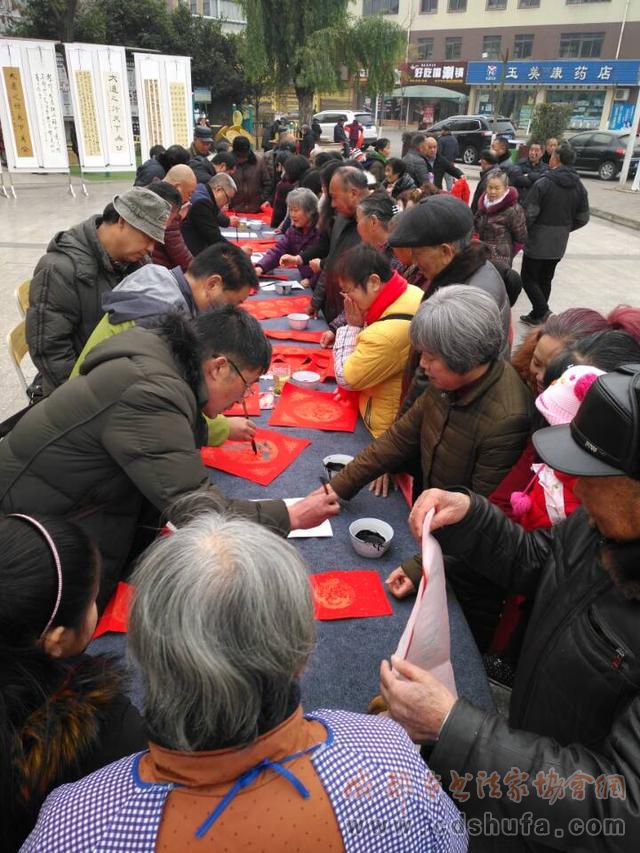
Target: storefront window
column 586, row 106
column 516, row 104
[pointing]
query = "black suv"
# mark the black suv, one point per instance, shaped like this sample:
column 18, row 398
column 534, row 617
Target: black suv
column 473, row 133
column 603, row 151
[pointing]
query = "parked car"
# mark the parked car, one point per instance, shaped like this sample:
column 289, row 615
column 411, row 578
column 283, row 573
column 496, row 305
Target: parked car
column 603, row 151
column 473, row 133
column 329, row 118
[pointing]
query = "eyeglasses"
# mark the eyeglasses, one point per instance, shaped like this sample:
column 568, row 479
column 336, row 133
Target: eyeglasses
column 226, row 195
column 248, row 388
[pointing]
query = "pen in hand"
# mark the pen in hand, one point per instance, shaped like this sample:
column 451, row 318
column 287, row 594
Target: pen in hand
column 254, row 446
column 324, row 485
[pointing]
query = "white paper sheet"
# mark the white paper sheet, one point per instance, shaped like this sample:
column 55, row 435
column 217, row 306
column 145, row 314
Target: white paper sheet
column 270, row 286
column 321, row 531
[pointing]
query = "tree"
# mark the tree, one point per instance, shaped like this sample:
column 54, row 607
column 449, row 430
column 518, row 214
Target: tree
column 549, row 120
column 47, row 19
column 377, row 46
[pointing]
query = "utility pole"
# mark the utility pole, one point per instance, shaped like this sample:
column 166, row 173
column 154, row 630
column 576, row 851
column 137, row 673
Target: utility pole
column 498, row 101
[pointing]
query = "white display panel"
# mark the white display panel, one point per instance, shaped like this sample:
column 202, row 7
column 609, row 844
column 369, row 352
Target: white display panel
column 165, row 111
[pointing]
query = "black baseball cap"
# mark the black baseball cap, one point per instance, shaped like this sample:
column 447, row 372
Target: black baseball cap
column 602, row 439
column 203, row 133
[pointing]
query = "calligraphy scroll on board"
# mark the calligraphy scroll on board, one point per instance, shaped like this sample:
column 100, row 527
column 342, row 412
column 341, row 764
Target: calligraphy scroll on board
column 31, row 108
column 101, row 107
column 163, row 84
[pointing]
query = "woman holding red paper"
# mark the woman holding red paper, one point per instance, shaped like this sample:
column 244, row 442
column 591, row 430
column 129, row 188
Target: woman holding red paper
column 371, row 351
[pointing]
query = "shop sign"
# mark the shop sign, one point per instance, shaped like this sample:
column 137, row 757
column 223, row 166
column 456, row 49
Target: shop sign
column 574, row 72
column 439, row 73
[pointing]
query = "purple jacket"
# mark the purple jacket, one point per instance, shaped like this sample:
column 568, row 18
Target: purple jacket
column 292, row 242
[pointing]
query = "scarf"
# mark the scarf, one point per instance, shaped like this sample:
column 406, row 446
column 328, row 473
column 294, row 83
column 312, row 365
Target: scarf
column 489, row 204
column 391, row 290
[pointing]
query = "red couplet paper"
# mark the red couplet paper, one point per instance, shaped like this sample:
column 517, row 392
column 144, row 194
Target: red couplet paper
column 269, row 309
column 116, row 614
column 275, row 453
column 264, row 215
column 254, row 245
column 301, row 358
column 253, row 405
column 298, row 407
column 306, row 336
column 404, row 482
column 349, row 595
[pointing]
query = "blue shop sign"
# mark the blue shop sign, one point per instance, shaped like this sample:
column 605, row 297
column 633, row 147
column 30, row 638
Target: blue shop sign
column 574, row 72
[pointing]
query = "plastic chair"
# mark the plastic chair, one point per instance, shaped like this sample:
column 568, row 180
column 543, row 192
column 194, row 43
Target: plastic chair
column 22, row 296
column 17, row 346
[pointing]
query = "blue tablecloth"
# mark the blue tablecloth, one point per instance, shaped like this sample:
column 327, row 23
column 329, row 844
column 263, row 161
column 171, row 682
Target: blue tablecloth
column 343, row 671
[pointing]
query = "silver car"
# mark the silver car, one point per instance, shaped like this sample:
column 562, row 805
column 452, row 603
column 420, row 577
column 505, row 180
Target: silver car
column 328, row 120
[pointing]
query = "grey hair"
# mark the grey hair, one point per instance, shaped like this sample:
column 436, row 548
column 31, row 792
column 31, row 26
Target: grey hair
column 221, row 626
column 498, row 173
column 462, row 325
column 221, row 179
column 304, row 199
column 352, row 177
column 462, row 243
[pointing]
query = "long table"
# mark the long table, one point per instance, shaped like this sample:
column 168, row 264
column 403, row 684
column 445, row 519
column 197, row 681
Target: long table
column 344, row 668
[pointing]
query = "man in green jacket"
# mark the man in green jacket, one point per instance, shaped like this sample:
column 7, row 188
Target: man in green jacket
column 123, row 438
column 221, row 275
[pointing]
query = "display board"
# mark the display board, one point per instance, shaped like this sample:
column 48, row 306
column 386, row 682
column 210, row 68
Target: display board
column 31, row 108
column 101, row 107
column 165, row 107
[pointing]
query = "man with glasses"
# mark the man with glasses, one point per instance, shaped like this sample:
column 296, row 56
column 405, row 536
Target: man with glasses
column 201, row 227
column 114, row 447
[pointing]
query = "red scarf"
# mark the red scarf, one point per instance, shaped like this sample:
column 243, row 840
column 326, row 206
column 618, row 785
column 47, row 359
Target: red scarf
column 391, row 290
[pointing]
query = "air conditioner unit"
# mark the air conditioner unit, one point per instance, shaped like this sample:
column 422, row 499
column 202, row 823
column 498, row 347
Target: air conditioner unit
column 621, row 95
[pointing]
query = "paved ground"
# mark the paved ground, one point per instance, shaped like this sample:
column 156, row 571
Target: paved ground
column 599, row 270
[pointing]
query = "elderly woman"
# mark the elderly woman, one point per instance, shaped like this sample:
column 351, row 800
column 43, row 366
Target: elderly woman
column 469, row 426
column 222, row 626
column 372, row 348
column 302, row 205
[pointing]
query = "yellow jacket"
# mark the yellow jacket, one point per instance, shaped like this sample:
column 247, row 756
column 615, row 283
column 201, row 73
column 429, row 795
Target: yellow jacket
column 376, row 366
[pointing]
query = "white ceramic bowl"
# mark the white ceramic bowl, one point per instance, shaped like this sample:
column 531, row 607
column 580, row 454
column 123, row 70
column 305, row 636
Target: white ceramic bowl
column 308, row 379
column 366, row 549
column 337, row 459
column 298, row 321
column 284, row 288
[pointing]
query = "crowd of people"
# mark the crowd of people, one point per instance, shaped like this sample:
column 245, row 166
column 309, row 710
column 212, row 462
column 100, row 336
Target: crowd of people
column 525, row 452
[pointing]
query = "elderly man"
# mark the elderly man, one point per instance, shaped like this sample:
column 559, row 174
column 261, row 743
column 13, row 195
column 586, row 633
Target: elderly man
column 415, row 161
column 437, row 164
column 565, row 767
column 224, row 613
column 557, row 204
column 201, row 227
column 347, row 188
column 80, row 266
column 174, row 252
column 200, row 150
column 500, row 147
column 527, row 171
column 114, row 447
column 550, row 146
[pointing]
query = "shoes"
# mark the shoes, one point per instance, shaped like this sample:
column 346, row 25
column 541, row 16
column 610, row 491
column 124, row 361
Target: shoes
column 531, row 320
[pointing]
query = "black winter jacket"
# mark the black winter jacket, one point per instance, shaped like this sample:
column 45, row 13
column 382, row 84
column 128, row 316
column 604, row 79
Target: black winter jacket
column 524, row 175
column 575, row 706
column 440, row 167
column 326, row 296
column 557, row 204
column 148, row 172
column 201, row 226
column 65, row 299
column 123, row 435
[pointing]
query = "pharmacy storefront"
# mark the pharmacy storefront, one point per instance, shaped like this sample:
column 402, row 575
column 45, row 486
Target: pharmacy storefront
column 601, row 93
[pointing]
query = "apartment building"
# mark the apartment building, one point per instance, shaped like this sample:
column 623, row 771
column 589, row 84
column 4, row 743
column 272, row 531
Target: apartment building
column 230, row 13
column 524, row 31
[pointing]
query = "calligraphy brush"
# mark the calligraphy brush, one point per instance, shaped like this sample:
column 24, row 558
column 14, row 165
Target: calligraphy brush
column 254, row 446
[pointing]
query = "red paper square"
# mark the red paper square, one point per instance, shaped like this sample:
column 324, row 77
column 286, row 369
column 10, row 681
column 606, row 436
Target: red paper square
column 306, row 336
column 356, row 594
column 254, row 245
column 116, row 614
column 269, row 309
column 253, row 405
column 305, row 358
column 275, row 453
column 298, row 407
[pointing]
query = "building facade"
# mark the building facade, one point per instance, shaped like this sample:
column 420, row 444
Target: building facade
column 230, row 13
column 507, row 31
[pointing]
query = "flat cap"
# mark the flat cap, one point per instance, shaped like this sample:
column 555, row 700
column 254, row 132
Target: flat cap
column 203, row 133
column 437, row 219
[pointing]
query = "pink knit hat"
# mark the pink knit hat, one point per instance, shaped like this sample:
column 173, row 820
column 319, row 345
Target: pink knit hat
column 559, row 403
